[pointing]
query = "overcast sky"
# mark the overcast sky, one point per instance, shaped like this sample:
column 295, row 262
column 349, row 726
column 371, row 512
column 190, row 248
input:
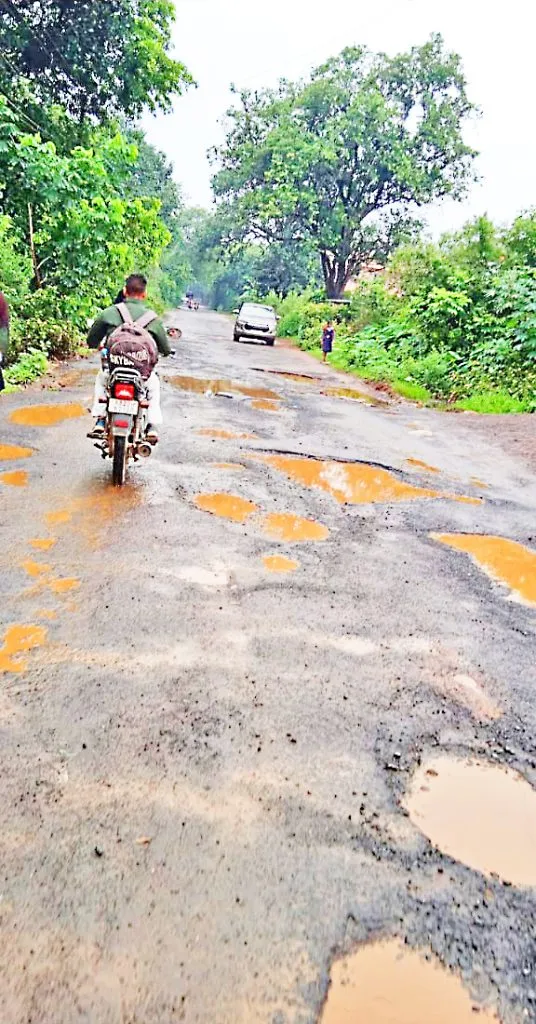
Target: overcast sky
column 254, row 44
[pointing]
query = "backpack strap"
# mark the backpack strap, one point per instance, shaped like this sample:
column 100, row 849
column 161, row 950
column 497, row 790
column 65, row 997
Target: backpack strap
column 124, row 313
column 146, row 318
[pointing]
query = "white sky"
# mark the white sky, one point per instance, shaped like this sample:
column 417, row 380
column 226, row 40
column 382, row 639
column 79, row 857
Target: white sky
column 254, row 44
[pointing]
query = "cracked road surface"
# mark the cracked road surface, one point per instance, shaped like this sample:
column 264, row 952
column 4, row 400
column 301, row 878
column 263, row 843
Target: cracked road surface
column 259, row 711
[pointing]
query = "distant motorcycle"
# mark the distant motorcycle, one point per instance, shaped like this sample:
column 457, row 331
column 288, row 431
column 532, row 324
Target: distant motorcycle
column 126, row 414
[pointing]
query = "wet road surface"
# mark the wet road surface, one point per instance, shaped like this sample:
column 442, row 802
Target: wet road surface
column 263, row 712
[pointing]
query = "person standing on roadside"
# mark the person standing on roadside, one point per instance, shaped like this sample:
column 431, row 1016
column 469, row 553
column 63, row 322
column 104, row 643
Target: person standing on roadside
column 328, row 337
column 4, row 335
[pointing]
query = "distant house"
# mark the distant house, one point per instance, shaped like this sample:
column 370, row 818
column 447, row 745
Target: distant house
column 367, row 273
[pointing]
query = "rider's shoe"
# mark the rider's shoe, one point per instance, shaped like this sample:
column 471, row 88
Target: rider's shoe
column 99, row 429
column 151, row 434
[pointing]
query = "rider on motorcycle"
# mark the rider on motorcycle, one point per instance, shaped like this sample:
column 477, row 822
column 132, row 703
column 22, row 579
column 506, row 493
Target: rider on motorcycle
column 106, row 324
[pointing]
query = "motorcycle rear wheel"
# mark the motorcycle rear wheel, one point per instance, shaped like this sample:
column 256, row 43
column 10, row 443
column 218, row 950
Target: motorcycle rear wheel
column 119, row 470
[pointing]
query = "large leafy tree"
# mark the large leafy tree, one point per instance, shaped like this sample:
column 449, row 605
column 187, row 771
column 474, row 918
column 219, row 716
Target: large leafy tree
column 342, row 161
column 96, row 59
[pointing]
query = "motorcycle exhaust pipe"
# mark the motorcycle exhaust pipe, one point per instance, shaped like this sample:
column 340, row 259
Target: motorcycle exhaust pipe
column 144, row 450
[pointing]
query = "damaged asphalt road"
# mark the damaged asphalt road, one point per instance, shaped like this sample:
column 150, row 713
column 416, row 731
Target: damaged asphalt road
column 258, row 710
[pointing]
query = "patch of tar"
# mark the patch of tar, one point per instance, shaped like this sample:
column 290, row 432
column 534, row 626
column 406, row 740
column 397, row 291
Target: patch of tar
column 503, row 560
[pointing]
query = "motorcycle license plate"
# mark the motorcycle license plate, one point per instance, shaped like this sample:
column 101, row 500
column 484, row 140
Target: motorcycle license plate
column 119, row 405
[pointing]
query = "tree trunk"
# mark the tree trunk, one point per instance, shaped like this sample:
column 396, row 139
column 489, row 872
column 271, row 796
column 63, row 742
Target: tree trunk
column 337, row 272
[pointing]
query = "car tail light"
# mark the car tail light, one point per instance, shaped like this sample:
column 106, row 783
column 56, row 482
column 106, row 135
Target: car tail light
column 125, row 391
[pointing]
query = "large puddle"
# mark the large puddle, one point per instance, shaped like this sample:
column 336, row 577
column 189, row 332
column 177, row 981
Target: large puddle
column 478, row 813
column 293, row 529
column 353, row 484
column 16, row 479
column 353, row 395
column 227, row 506
column 46, row 415
column 215, row 386
column 10, row 452
column 386, row 983
column 19, row 640
column 504, row 560
column 266, row 405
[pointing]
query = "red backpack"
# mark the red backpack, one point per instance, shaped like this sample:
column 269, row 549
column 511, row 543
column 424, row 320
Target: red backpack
column 130, row 345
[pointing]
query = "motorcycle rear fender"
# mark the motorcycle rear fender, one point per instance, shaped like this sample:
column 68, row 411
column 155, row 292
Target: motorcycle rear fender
column 121, row 425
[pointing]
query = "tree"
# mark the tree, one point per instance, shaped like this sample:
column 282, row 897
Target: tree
column 342, row 161
column 152, row 176
column 95, row 58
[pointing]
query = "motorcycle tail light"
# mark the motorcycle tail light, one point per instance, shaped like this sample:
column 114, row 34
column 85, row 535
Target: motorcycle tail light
column 125, row 391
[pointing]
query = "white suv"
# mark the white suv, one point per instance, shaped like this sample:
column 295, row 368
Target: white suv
column 255, row 321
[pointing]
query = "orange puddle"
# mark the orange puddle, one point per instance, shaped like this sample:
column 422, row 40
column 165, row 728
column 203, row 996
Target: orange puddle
column 277, row 563
column 91, row 515
column 46, row 415
column 293, row 529
column 58, row 518
column 46, row 613
column 227, row 465
column 63, row 586
column 43, row 545
column 200, row 386
column 478, row 483
column 11, row 452
column 479, row 813
column 422, row 465
column 353, row 484
column 504, row 560
column 35, row 569
column 227, row 506
column 17, row 479
column 226, row 435
column 19, row 640
column 356, row 396
column 301, row 378
column 263, row 403
column 386, row 983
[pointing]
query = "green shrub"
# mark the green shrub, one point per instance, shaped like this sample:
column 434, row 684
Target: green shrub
column 28, row 367
column 493, row 402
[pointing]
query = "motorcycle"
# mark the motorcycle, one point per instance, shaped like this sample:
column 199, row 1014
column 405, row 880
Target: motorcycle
column 127, row 406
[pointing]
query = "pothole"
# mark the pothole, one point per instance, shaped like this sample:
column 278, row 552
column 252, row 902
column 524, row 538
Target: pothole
column 478, row 813
column 226, row 506
column 386, row 983
column 17, row 479
column 278, row 563
column 19, row 640
column 10, row 452
column 266, row 405
column 46, row 415
column 215, row 386
column 353, row 395
column 351, row 483
column 419, row 464
column 225, row 435
column 504, row 560
column 293, row 529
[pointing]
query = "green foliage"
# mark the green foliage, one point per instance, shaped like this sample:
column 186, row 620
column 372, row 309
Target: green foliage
column 493, row 402
column 31, row 365
column 95, row 59
column 339, row 162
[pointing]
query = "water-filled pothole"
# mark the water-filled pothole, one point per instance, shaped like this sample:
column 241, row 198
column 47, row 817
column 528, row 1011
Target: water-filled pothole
column 419, row 464
column 226, row 506
column 478, row 813
column 353, row 483
column 386, row 983
column 19, row 640
column 354, row 395
column 216, row 385
column 10, row 452
column 17, row 479
column 46, row 415
column 293, row 529
column 504, row 560
column 278, row 563
column 225, row 435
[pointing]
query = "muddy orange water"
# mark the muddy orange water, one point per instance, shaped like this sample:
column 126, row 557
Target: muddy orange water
column 301, row 378
column 227, row 465
column 418, row 464
column 35, row 569
column 17, row 479
column 293, row 529
column 43, row 545
column 63, row 586
column 355, row 396
column 58, row 518
column 479, row 813
column 46, row 415
column 12, row 452
column 47, row 613
column 504, row 560
column 19, row 640
column 347, row 482
column 200, row 387
column 386, row 983
column 228, row 506
column 267, row 406
column 225, row 435
column 90, row 514
column 277, row 563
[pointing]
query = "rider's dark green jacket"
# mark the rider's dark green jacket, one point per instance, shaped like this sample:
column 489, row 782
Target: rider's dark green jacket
column 111, row 318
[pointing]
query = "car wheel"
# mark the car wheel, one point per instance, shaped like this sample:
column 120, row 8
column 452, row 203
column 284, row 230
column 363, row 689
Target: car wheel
column 270, row 342
column 237, row 337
